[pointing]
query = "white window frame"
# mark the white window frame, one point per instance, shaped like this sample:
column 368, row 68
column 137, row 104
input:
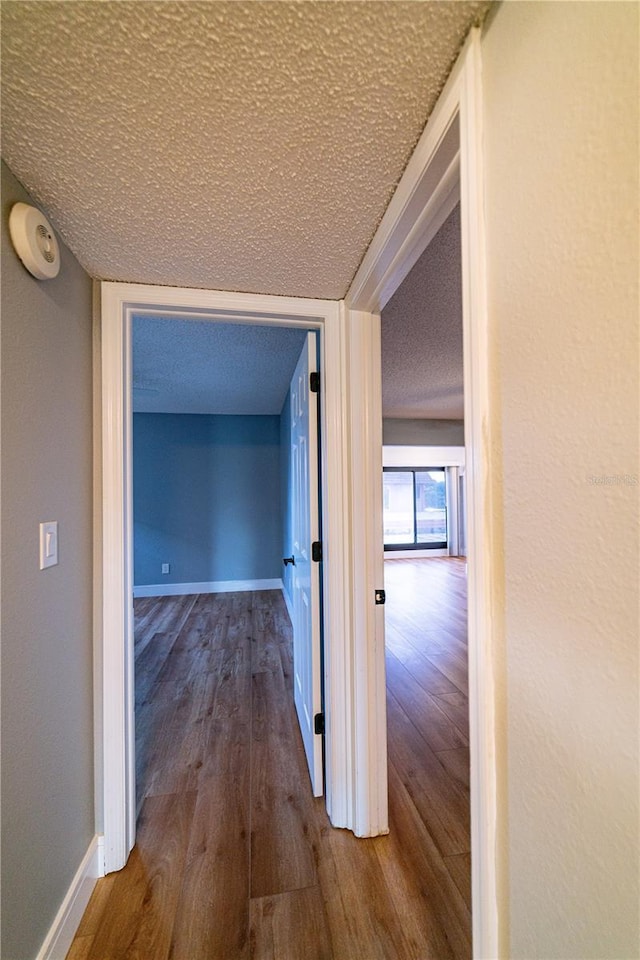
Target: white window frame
column 452, row 459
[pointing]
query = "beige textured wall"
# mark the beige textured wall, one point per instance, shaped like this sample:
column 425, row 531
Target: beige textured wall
column 561, row 125
column 47, row 722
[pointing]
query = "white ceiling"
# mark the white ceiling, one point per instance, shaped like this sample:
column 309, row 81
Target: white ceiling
column 188, row 366
column 249, row 146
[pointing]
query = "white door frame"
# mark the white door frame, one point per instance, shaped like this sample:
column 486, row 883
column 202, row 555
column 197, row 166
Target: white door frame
column 348, row 794
column 437, row 176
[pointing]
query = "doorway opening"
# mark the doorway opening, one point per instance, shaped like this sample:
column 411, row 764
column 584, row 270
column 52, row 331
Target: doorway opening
column 425, row 574
column 217, row 501
column 120, row 303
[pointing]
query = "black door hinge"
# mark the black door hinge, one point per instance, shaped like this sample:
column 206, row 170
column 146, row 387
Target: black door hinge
column 314, row 382
column 318, row 723
column 316, row 551
column 380, row 596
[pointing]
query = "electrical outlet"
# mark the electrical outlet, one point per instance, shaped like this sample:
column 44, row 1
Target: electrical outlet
column 165, row 568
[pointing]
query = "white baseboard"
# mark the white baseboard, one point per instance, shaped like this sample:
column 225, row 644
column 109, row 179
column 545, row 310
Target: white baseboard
column 210, row 586
column 415, row 554
column 63, row 929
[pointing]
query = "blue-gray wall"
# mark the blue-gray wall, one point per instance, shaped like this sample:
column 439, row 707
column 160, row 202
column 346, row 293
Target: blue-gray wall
column 207, row 498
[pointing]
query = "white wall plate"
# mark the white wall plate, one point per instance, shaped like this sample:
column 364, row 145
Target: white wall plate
column 48, row 544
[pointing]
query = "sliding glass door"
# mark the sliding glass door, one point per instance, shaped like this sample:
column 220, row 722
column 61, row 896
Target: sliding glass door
column 415, row 508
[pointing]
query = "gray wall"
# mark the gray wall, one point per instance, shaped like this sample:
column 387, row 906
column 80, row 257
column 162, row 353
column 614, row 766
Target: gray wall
column 422, row 433
column 206, row 497
column 561, row 128
column 47, row 712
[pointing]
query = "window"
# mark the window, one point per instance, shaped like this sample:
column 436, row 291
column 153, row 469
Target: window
column 415, row 508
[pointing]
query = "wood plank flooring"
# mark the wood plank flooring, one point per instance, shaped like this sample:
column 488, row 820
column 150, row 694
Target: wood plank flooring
column 235, row 860
column 427, row 688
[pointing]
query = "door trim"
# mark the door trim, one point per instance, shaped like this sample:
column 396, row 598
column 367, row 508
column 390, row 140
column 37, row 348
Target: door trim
column 410, row 221
column 346, row 790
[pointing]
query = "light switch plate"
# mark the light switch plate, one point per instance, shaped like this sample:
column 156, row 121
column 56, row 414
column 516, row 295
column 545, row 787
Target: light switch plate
column 48, row 544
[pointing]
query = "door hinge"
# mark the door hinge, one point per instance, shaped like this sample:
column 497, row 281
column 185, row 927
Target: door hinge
column 314, row 382
column 318, row 723
column 380, row 596
column 316, row 551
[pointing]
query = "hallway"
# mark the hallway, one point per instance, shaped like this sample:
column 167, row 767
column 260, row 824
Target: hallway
column 235, row 859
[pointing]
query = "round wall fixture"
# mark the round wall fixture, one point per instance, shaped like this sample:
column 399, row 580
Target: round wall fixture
column 34, row 241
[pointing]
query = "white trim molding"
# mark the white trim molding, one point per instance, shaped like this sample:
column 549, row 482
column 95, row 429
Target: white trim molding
column 479, row 514
column 367, row 667
column 349, row 792
column 208, row 586
column 116, row 784
column 67, row 920
column 452, row 141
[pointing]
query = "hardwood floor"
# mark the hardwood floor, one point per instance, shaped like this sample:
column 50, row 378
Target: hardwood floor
column 234, row 858
column 428, row 711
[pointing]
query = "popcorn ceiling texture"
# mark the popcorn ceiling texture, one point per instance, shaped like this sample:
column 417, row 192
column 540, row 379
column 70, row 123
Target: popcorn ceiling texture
column 231, row 145
column 190, row 366
column 422, row 372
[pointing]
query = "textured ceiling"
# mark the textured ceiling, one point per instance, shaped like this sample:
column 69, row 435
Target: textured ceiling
column 246, row 146
column 422, row 372
column 191, row 366
column 187, row 366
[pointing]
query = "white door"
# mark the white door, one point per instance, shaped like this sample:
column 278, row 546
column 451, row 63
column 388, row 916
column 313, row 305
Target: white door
column 306, row 571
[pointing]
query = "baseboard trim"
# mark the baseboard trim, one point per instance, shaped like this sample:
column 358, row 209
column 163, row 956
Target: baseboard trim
column 63, row 929
column 414, row 554
column 210, row 586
